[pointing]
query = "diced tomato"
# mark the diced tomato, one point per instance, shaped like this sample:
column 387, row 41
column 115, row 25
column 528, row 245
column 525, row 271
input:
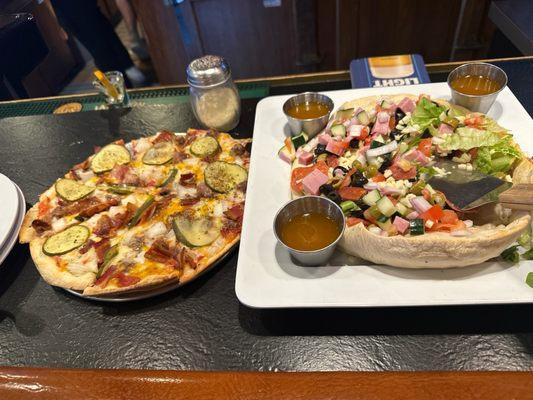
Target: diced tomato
column 474, row 121
column 440, row 227
column 351, row 193
column 378, row 178
column 364, row 133
column 351, row 221
column 399, row 173
column 434, row 214
column 347, row 178
column 449, row 217
column 44, row 206
column 299, row 173
column 392, row 123
column 393, row 200
column 425, row 147
column 332, row 160
column 368, row 216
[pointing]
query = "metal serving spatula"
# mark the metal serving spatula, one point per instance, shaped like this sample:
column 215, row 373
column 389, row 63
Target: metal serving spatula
column 467, row 190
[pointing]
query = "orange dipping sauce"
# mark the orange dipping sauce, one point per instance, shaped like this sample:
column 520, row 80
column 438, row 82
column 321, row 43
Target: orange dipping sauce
column 308, row 232
column 308, row 110
column 475, row 85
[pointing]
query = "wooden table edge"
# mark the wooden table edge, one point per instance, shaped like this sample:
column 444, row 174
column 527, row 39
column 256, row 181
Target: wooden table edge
column 45, row 383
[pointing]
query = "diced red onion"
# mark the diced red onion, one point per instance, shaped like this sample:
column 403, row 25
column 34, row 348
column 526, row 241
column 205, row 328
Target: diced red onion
column 371, row 186
column 401, row 224
column 469, row 223
column 390, row 190
column 385, row 149
column 420, row 204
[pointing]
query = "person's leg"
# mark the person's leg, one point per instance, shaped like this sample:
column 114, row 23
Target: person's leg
column 95, row 32
column 129, row 18
column 128, row 13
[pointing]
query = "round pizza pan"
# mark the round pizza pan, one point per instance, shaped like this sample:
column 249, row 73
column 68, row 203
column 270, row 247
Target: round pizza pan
column 149, row 293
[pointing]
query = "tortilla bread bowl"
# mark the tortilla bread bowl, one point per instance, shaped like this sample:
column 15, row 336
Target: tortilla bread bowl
column 435, row 249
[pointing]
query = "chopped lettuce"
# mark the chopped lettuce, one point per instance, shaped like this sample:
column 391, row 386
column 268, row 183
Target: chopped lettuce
column 426, row 113
column 466, row 138
column 498, row 157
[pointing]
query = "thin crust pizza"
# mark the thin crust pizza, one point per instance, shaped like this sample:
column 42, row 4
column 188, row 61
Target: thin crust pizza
column 141, row 214
column 375, row 158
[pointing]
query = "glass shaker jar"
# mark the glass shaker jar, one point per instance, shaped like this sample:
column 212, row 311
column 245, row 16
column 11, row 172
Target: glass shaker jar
column 214, row 97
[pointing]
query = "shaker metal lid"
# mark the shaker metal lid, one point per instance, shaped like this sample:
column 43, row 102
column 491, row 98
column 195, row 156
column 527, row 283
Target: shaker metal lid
column 208, row 70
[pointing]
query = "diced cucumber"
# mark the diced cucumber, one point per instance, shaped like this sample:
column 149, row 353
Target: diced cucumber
column 222, row 177
column 349, row 205
column 372, row 197
column 300, row 140
column 66, row 241
column 71, row 190
column 195, row 232
column 204, row 147
column 344, row 114
column 385, row 206
column 385, row 224
column 376, row 143
column 385, row 104
column 402, row 209
column 338, row 130
column 363, row 118
column 109, row 156
column 382, row 218
column 160, row 153
column 416, row 226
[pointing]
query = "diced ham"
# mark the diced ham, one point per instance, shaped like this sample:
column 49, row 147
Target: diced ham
column 416, row 156
column 445, row 128
column 285, row 156
column 354, row 131
column 324, row 138
column 401, row 224
column 312, row 182
column 305, row 158
column 382, row 117
column 336, row 147
column 407, row 105
column 399, row 173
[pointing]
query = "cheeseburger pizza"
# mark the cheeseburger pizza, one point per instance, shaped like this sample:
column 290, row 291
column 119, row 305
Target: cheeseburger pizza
column 375, row 158
column 135, row 215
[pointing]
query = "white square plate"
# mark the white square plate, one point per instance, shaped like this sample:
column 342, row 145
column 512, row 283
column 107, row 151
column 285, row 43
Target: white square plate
column 266, row 277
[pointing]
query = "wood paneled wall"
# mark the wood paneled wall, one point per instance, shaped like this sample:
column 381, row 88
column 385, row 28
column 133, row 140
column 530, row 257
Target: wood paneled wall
column 306, row 35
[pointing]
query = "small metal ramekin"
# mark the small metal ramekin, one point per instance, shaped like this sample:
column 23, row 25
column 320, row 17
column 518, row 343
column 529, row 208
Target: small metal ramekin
column 304, row 205
column 479, row 103
column 311, row 126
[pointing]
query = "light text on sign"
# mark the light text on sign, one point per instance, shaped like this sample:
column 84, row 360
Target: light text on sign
column 396, row 82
